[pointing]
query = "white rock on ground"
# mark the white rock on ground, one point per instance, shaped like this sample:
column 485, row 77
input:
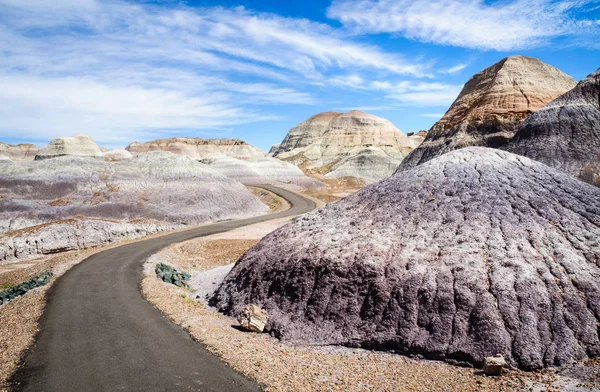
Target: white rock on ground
column 80, row 145
column 156, row 187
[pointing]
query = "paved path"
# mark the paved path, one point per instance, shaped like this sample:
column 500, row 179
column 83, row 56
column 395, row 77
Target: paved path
column 98, row 333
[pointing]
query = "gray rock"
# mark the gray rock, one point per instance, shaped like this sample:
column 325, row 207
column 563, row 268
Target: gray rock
column 565, row 134
column 494, row 365
column 475, row 253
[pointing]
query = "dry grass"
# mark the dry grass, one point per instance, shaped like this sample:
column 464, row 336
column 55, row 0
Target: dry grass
column 18, row 327
column 200, row 254
column 60, row 202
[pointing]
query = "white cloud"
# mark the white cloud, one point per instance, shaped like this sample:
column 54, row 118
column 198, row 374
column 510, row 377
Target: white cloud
column 502, row 25
column 419, row 93
column 117, row 69
column 454, row 69
column 38, row 108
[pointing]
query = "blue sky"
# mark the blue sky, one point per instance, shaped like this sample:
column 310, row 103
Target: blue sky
column 122, row 71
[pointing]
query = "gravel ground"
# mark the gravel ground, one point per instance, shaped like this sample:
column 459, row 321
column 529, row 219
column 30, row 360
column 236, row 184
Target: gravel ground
column 280, row 366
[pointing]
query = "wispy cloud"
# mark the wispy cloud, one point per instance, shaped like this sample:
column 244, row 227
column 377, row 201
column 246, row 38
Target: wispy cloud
column 417, row 93
column 110, row 67
column 502, row 25
column 454, row 69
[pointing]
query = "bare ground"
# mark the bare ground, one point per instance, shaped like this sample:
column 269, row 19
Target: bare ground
column 280, row 366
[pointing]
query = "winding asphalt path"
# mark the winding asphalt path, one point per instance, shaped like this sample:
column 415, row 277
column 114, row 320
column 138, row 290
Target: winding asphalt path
column 98, row 333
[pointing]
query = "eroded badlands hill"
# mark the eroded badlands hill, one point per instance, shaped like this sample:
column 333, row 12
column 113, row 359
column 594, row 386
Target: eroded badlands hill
column 474, row 253
column 197, row 148
column 330, row 141
column 565, row 133
column 18, row 152
column 491, row 107
column 262, row 170
column 78, row 145
column 149, row 192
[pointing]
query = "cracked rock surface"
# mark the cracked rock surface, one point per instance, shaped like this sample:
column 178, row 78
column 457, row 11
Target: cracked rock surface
column 475, row 253
column 491, row 107
column 565, row 133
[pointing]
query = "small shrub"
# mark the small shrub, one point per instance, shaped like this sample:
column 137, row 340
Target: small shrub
column 21, row 289
column 172, row 275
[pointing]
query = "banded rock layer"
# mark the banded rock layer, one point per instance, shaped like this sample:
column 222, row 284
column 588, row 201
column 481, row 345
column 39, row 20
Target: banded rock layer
column 78, row 145
column 475, row 253
column 197, row 148
column 18, row 152
column 491, row 107
column 156, row 186
column 565, row 134
column 327, row 140
column 262, row 170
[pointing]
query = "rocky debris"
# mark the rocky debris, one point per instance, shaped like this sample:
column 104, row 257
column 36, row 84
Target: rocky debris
column 253, row 318
column 475, row 253
column 197, row 148
column 5, row 159
column 154, row 189
column 565, row 133
column 491, row 107
column 79, row 145
column 494, row 365
column 117, row 154
column 19, row 152
column 22, row 289
column 171, row 275
column 262, row 170
column 329, row 138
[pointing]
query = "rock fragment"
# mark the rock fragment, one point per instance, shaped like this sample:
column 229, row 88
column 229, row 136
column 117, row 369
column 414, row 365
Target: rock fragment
column 494, row 365
column 253, row 318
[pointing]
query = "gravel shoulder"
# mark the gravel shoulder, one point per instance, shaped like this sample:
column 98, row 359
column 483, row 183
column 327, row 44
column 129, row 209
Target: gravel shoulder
column 280, row 366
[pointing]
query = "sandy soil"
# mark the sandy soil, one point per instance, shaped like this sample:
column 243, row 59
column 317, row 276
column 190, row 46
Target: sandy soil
column 280, row 366
column 274, row 202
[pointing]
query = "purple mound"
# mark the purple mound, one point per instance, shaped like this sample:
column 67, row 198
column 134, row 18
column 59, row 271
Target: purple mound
column 474, row 253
